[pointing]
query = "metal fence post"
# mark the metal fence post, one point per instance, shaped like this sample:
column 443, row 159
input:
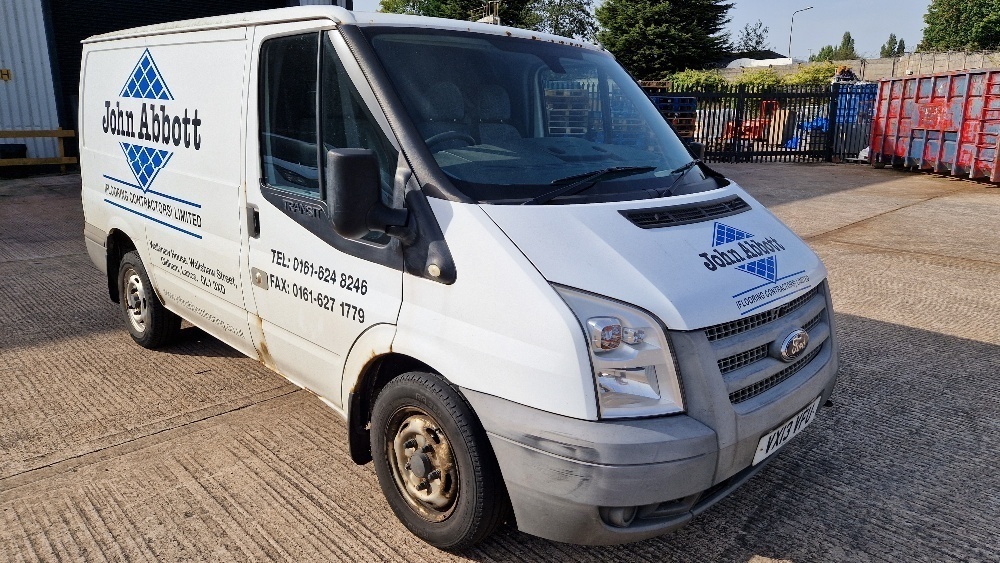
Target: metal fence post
column 738, row 118
column 831, row 123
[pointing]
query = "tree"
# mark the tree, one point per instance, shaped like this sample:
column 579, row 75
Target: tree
column 961, row 24
column 752, row 38
column 654, row 37
column 412, row 7
column 892, row 47
column 515, row 13
column 571, row 18
column 842, row 52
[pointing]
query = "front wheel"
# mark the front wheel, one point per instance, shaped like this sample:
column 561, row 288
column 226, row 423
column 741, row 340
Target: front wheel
column 434, row 462
column 149, row 323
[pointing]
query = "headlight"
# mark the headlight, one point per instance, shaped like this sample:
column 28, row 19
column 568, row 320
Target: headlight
column 633, row 369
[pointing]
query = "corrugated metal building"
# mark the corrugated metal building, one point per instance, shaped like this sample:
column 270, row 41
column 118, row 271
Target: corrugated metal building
column 40, row 53
column 27, row 84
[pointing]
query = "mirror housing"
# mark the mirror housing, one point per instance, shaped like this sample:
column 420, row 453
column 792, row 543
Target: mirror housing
column 353, row 196
column 697, row 150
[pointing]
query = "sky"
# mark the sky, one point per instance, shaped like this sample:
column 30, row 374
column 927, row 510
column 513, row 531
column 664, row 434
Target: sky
column 869, row 21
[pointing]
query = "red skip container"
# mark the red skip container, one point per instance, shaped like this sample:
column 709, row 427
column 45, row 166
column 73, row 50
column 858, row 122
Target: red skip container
column 948, row 123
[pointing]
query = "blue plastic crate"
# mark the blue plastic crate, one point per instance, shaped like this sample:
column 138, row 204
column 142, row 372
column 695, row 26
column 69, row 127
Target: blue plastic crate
column 676, row 104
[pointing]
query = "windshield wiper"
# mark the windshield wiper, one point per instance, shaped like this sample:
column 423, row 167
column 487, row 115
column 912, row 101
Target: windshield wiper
column 680, row 172
column 581, row 182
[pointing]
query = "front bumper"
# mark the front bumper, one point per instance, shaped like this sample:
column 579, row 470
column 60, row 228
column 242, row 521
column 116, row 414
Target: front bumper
column 564, row 475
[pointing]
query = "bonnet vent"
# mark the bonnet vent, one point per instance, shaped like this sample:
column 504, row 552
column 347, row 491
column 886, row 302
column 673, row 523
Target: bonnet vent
column 671, row 216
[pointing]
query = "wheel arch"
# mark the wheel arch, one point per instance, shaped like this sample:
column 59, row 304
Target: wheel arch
column 372, row 378
column 117, row 245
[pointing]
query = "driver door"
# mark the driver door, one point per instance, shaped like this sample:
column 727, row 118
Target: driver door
column 314, row 291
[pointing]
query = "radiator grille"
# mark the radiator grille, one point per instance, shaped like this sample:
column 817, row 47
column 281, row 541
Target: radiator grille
column 751, row 391
column 737, row 361
column 675, row 215
column 738, row 326
column 812, row 322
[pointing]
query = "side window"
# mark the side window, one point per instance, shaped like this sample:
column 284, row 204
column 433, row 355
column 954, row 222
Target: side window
column 288, row 113
column 346, row 122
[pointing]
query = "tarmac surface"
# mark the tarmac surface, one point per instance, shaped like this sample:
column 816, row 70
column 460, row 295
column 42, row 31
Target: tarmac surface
column 112, row 452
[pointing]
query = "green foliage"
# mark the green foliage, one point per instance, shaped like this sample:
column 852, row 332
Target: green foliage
column 516, row 13
column 986, row 32
column 825, row 53
column 961, row 24
column 845, row 51
column 412, row 7
column 763, row 77
column 653, row 37
column 752, row 38
column 698, row 79
column 571, row 18
column 892, row 47
column 816, row 74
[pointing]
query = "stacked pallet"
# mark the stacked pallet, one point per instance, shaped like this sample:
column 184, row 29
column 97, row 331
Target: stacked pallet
column 627, row 126
column 568, row 110
column 679, row 111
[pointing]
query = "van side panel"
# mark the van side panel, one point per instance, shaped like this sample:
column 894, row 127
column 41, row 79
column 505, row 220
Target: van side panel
column 162, row 125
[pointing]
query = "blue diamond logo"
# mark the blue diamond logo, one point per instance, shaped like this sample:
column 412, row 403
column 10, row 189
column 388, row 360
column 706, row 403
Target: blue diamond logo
column 145, row 81
column 724, row 234
column 766, row 268
column 145, row 163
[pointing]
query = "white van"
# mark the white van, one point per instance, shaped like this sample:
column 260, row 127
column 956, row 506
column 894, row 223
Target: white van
column 482, row 246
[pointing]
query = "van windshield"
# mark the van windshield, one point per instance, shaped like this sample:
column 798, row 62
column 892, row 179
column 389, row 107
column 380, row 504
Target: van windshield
column 511, row 120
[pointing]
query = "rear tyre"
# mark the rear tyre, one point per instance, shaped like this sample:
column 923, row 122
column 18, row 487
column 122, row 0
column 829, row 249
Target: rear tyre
column 434, row 462
column 149, row 323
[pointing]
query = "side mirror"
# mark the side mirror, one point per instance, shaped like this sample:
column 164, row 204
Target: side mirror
column 353, row 195
column 697, row 150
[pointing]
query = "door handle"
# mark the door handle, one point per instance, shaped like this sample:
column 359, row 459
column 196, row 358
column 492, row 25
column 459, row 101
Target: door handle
column 253, row 221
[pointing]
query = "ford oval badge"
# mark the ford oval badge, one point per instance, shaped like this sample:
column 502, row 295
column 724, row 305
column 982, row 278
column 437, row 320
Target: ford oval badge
column 793, row 345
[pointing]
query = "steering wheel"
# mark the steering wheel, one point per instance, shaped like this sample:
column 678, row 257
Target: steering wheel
column 449, row 136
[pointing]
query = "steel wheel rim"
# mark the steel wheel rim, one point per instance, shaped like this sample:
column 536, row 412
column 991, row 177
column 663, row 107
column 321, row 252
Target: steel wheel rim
column 422, row 463
column 136, row 301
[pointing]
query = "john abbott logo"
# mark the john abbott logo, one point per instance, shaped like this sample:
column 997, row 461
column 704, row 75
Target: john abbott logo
column 732, row 247
column 155, row 127
column 747, row 255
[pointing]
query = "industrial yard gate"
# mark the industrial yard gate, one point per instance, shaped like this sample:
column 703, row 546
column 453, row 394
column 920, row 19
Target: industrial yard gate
column 786, row 123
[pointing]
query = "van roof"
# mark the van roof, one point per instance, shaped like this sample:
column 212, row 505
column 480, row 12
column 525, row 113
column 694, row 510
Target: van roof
column 335, row 15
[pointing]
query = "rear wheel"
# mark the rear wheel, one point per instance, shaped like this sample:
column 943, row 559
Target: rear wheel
column 434, row 462
column 149, row 323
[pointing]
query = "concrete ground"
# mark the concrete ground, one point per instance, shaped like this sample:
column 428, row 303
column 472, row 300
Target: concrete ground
column 112, row 452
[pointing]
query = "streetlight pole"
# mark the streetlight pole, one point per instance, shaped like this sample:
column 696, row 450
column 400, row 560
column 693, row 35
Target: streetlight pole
column 791, row 28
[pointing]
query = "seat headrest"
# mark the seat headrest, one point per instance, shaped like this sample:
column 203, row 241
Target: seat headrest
column 443, row 102
column 494, row 103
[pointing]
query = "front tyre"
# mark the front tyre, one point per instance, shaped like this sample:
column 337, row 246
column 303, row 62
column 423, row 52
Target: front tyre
column 149, row 323
column 434, row 462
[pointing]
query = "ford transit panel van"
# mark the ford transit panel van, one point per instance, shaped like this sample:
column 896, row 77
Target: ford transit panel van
column 481, row 246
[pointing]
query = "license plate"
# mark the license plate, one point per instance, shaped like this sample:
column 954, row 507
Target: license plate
column 781, row 435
